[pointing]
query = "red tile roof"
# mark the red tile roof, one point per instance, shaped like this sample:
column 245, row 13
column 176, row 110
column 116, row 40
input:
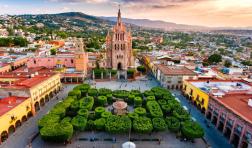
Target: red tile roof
column 175, row 70
column 9, row 103
column 238, row 104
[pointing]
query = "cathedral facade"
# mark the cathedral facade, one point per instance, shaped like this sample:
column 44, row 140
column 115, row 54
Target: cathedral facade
column 119, row 47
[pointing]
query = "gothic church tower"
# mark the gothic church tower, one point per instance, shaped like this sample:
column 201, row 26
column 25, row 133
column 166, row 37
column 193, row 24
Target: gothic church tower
column 119, row 46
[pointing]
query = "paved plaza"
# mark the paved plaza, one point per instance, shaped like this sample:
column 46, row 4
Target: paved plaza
column 81, row 140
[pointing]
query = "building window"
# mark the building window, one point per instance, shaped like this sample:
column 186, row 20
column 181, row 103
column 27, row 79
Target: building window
column 72, row 61
column 34, row 62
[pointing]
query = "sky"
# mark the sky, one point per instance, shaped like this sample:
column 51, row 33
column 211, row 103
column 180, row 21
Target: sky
column 212, row 13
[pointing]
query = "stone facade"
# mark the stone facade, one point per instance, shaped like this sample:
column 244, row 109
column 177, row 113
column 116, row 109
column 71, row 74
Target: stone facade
column 119, row 47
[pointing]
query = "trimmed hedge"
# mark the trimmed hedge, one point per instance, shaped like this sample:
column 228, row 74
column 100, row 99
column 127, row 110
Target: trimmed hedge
column 154, row 109
column 56, row 132
column 83, row 112
column 86, row 103
column 76, row 93
column 136, row 93
column 142, row 125
column 122, row 94
column 159, row 124
column 99, row 111
column 106, row 115
column 148, row 93
column 47, row 120
column 104, row 91
column 92, row 92
column 192, row 130
column 79, row 123
column 118, row 124
column 173, row 124
column 133, row 115
column 140, row 111
column 131, row 99
column 150, row 98
column 102, row 100
column 99, row 123
column 138, row 101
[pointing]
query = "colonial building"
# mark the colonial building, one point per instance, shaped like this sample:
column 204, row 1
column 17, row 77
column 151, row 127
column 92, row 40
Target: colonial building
column 119, row 46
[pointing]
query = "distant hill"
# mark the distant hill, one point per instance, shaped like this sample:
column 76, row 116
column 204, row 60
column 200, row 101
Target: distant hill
column 169, row 26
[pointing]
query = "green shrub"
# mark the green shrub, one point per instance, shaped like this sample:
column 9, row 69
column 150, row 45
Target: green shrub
column 66, row 119
column 106, row 114
column 159, row 124
column 109, row 98
column 162, row 102
column 86, row 103
column 48, row 119
column 150, row 98
column 104, row 91
column 140, row 111
column 136, row 93
column 123, row 94
column 75, row 106
column 56, row 132
column 142, row 125
column 131, row 99
column 192, row 130
column 102, row 100
column 173, row 124
column 99, row 111
column 148, row 93
column 154, row 109
column 59, row 111
column 141, row 69
column 92, row 92
column 133, row 115
column 90, row 125
column 138, row 101
column 118, row 124
column 76, row 93
column 79, row 123
column 83, row 112
column 181, row 114
column 99, row 123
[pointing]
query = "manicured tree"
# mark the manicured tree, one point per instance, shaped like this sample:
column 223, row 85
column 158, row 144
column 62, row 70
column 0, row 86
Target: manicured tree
column 138, row 101
column 214, row 59
column 173, row 124
column 118, row 124
column 154, row 109
column 136, row 93
column 83, row 112
column 131, row 99
column 79, row 123
column 59, row 111
column 92, row 92
column 48, row 119
column 140, row 111
column 192, row 130
column 102, row 100
column 142, row 125
column 99, row 111
column 90, row 125
column 86, row 103
column 109, row 98
column 181, row 114
column 148, row 93
column 141, row 69
column 99, row 123
column 130, row 73
column 122, row 94
column 105, row 115
column 104, row 91
column 166, row 108
column 66, row 119
column 162, row 102
column 56, row 132
column 75, row 106
column 76, row 93
column 159, row 124
column 150, row 98
column 83, row 88
column 133, row 115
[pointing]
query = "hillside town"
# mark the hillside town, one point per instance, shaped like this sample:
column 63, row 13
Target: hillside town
column 43, row 57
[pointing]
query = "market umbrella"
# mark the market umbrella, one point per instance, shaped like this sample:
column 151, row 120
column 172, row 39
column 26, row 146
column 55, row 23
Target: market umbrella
column 128, row 145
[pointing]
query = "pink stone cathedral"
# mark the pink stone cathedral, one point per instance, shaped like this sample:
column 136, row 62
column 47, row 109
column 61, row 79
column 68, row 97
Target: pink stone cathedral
column 119, row 47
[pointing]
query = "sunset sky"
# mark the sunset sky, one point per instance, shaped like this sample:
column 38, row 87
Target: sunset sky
column 214, row 13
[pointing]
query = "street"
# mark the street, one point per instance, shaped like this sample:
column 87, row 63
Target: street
column 20, row 138
column 212, row 135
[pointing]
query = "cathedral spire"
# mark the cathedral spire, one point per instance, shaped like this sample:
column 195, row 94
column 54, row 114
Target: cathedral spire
column 119, row 17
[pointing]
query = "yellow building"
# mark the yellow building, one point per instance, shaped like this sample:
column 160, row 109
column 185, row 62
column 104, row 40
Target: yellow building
column 193, row 92
column 13, row 112
column 39, row 86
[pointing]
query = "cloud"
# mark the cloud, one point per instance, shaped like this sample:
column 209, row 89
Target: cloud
column 80, row 1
